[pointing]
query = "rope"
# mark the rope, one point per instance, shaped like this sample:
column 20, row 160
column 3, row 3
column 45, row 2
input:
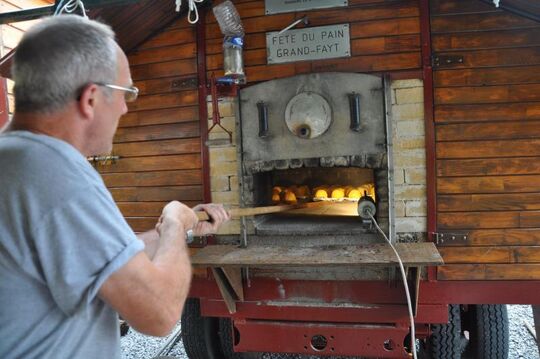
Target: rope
column 192, row 10
column 70, row 7
column 405, row 285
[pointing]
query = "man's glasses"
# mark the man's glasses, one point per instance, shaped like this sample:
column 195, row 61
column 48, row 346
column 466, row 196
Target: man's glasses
column 130, row 93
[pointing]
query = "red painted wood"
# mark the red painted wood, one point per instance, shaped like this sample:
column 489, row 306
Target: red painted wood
column 431, row 175
column 203, row 111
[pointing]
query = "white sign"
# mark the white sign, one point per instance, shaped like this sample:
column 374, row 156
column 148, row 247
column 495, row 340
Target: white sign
column 314, row 43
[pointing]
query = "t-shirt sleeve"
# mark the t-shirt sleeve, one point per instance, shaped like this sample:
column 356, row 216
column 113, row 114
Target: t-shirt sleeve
column 80, row 244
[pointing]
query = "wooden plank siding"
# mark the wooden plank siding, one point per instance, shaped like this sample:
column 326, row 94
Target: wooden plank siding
column 158, row 140
column 487, row 128
column 385, row 37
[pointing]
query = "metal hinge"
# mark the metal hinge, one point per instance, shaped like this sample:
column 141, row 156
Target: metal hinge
column 185, row 83
column 446, row 60
column 451, row 239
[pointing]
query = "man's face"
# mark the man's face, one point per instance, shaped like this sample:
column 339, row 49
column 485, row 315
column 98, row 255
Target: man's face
column 109, row 111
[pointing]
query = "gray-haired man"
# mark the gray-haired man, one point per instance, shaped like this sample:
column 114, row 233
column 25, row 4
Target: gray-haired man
column 68, row 260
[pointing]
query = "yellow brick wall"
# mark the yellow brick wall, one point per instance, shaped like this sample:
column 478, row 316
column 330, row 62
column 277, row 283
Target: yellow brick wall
column 409, row 156
column 223, row 163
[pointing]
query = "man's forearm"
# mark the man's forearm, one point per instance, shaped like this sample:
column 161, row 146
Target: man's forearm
column 172, row 255
column 151, row 241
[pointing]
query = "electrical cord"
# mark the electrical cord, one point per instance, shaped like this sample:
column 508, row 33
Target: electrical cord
column 405, row 285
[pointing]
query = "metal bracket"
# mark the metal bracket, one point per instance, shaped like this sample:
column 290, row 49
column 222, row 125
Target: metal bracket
column 446, row 60
column 451, row 239
column 416, row 276
column 185, row 83
column 199, row 242
column 229, row 281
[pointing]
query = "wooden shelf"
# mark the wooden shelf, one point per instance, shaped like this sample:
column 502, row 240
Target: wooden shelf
column 412, row 255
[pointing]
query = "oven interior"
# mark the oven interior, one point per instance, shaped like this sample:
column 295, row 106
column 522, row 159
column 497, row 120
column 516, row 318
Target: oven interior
column 340, row 188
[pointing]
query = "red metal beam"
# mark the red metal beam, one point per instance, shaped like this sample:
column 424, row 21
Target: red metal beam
column 4, row 107
column 361, row 313
column 431, row 175
column 380, row 292
column 381, row 341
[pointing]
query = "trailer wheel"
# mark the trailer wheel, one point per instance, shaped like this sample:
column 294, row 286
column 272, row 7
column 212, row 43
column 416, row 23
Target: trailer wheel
column 226, row 338
column 447, row 340
column 488, row 330
column 199, row 334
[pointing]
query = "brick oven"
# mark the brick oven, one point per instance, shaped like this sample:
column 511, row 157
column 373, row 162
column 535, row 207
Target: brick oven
column 316, row 137
column 319, row 132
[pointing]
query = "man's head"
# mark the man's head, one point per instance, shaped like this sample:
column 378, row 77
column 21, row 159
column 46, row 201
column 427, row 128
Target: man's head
column 57, row 58
column 70, row 71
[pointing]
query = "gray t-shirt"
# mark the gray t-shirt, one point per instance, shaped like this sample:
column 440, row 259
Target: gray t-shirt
column 61, row 237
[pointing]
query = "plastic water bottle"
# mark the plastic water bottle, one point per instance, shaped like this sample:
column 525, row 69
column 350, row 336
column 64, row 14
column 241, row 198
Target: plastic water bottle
column 228, row 19
column 233, row 63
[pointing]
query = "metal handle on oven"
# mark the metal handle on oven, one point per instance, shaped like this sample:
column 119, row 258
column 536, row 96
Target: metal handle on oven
column 263, row 119
column 354, row 104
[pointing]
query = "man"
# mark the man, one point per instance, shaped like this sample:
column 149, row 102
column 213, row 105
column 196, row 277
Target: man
column 68, row 260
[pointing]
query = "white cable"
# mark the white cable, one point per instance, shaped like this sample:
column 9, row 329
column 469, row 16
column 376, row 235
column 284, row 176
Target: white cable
column 70, row 7
column 192, row 8
column 405, row 285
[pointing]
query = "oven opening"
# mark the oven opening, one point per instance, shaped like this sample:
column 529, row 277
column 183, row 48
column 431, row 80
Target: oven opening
column 340, row 187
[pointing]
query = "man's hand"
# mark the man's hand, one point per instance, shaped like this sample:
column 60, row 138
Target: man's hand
column 176, row 215
column 218, row 215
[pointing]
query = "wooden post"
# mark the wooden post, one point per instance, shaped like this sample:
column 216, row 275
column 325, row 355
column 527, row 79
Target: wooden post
column 4, row 108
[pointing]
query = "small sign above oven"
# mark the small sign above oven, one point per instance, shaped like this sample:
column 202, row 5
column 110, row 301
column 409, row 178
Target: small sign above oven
column 279, row 6
column 314, row 43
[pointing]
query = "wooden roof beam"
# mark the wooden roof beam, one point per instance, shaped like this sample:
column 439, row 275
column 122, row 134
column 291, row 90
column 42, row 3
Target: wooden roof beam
column 38, row 12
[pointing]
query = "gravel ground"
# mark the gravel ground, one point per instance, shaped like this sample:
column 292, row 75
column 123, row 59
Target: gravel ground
column 522, row 344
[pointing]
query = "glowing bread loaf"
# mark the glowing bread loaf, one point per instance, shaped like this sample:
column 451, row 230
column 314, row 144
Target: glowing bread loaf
column 321, row 192
column 290, row 197
column 338, row 193
column 354, row 193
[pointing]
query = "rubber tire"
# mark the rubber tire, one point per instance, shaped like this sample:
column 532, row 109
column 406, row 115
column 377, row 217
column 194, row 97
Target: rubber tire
column 226, row 338
column 447, row 341
column 199, row 334
column 489, row 337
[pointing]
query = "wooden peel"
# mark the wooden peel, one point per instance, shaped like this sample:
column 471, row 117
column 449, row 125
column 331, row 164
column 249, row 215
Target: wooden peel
column 252, row 211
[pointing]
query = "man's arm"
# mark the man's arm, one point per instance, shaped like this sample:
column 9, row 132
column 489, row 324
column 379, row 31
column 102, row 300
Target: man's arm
column 149, row 293
column 151, row 241
column 150, row 290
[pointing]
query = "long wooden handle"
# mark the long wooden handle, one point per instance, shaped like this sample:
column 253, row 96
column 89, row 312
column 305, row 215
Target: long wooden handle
column 252, row 211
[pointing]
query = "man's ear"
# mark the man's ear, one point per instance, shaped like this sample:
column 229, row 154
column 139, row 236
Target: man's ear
column 88, row 100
